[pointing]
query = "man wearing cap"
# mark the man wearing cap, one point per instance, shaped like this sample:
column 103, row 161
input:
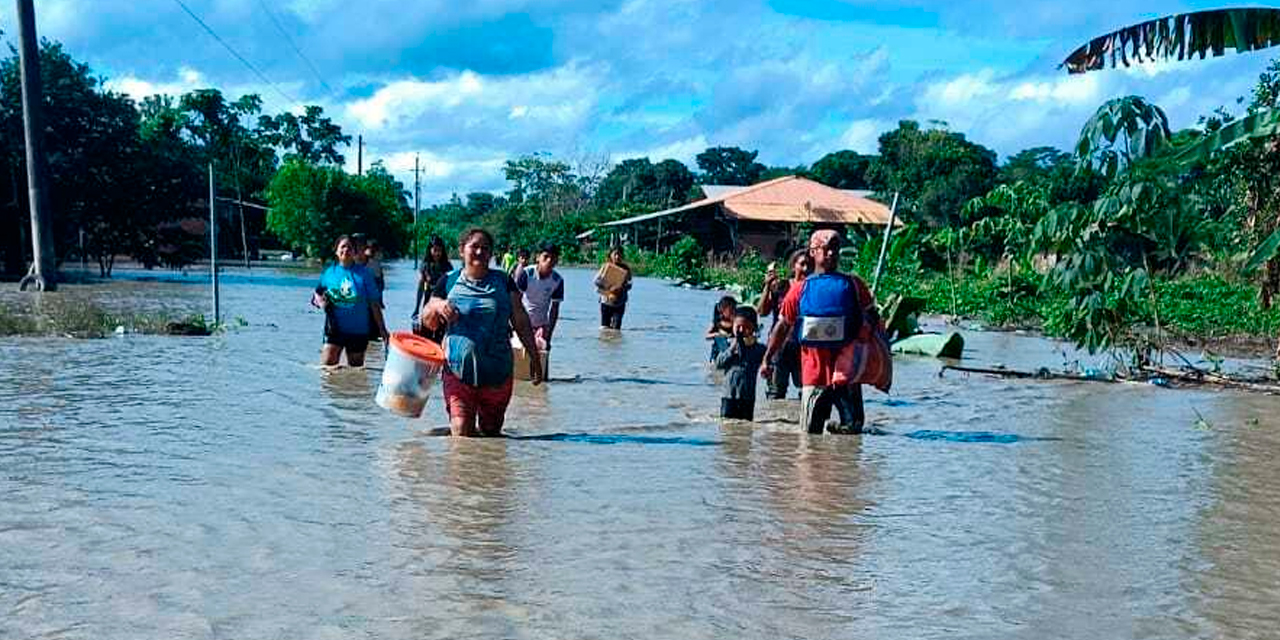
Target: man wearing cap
column 826, row 310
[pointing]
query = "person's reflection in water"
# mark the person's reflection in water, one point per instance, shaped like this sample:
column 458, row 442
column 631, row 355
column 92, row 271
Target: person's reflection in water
column 817, row 488
column 794, row 502
column 456, row 528
column 348, row 390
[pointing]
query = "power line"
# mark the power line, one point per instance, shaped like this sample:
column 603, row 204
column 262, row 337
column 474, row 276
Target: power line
column 234, row 53
column 280, row 28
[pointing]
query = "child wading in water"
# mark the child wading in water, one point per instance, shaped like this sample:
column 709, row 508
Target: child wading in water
column 721, row 330
column 740, row 361
column 543, row 290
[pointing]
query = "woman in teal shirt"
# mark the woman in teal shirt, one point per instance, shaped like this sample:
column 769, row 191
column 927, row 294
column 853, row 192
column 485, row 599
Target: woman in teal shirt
column 351, row 302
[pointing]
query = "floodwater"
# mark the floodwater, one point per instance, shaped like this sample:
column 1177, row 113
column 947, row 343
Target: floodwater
column 227, row 487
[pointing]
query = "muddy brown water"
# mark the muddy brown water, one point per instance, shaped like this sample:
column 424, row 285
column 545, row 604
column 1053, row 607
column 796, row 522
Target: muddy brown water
column 226, row 487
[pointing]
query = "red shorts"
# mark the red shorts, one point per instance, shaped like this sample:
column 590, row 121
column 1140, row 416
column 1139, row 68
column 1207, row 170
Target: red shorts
column 488, row 404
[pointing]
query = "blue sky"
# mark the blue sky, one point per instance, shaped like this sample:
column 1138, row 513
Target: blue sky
column 469, row 84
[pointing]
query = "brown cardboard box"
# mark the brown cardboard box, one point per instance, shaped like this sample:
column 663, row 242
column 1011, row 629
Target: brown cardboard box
column 612, row 276
column 520, row 361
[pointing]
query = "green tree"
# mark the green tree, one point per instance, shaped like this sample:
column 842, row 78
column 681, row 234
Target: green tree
column 311, row 137
column 672, row 181
column 842, row 170
column 244, row 160
column 480, row 202
column 92, row 146
column 729, row 166
column 638, row 181
column 548, row 184
column 772, row 173
column 313, row 204
column 1034, row 164
column 935, row 171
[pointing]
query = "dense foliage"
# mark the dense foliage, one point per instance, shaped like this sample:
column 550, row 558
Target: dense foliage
column 312, row 204
column 132, row 179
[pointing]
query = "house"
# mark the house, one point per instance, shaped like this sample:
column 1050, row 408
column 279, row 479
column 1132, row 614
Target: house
column 765, row 216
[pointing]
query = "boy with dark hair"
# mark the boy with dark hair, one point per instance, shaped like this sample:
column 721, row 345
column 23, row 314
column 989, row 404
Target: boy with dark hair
column 740, row 361
column 522, row 261
column 543, row 290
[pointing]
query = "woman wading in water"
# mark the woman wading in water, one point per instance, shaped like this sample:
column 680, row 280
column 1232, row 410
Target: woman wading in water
column 613, row 295
column 352, row 304
column 478, row 307
column 435, row 266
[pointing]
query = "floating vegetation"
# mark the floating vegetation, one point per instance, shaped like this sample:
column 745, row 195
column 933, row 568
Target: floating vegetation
column 73, row 317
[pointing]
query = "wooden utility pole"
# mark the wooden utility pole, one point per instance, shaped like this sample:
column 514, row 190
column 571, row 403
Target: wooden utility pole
column 360, row 155
column 417, row 195
column 43, row 275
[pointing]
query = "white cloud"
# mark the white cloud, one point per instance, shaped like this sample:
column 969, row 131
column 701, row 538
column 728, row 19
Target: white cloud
column 863, row 136
column 432, row 166
column 1008, row 114
column 963, row 89
column 519, row 114
column 188, row 79
column 404, row 100
column 684, row 150
column 1076, row 88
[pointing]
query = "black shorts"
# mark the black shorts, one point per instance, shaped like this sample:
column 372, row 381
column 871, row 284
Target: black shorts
column 738, row 408
column 350, row 342
column 611, row 316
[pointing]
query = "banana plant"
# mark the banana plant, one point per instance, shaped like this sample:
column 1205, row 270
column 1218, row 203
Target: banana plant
column 1183, row 36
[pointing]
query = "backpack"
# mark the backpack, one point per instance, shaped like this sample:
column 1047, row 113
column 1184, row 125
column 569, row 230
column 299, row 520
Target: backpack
column 830, row 314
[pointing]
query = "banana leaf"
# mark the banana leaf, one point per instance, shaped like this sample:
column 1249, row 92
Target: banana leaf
column 1179, row 37
column 1264, row 252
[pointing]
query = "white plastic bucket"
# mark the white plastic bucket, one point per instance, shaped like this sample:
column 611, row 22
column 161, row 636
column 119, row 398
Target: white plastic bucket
column 413, row 364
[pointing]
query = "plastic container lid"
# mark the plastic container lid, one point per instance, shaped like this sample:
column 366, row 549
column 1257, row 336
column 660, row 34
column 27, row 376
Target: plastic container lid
column 417, row 347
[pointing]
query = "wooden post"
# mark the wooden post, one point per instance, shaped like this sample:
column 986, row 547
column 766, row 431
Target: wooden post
column 884, row 246
column 213, row 245
column 244, row 238
column 43, row 275
column 417, row 206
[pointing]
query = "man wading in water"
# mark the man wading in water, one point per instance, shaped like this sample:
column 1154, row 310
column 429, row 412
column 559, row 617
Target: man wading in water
column 829, row 309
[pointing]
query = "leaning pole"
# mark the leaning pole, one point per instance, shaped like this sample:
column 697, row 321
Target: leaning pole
column 43, row 275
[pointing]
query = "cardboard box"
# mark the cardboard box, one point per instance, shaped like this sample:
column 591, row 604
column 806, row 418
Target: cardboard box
column 612, row 276
column 520, row 367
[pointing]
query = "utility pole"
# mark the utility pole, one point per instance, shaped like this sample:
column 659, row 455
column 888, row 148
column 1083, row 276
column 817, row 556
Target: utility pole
column 360, row 155
column 417, row 195
column 43, row 275
column 213, row 246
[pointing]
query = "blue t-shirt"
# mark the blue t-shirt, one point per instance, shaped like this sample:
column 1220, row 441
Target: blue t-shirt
column 350, row 291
